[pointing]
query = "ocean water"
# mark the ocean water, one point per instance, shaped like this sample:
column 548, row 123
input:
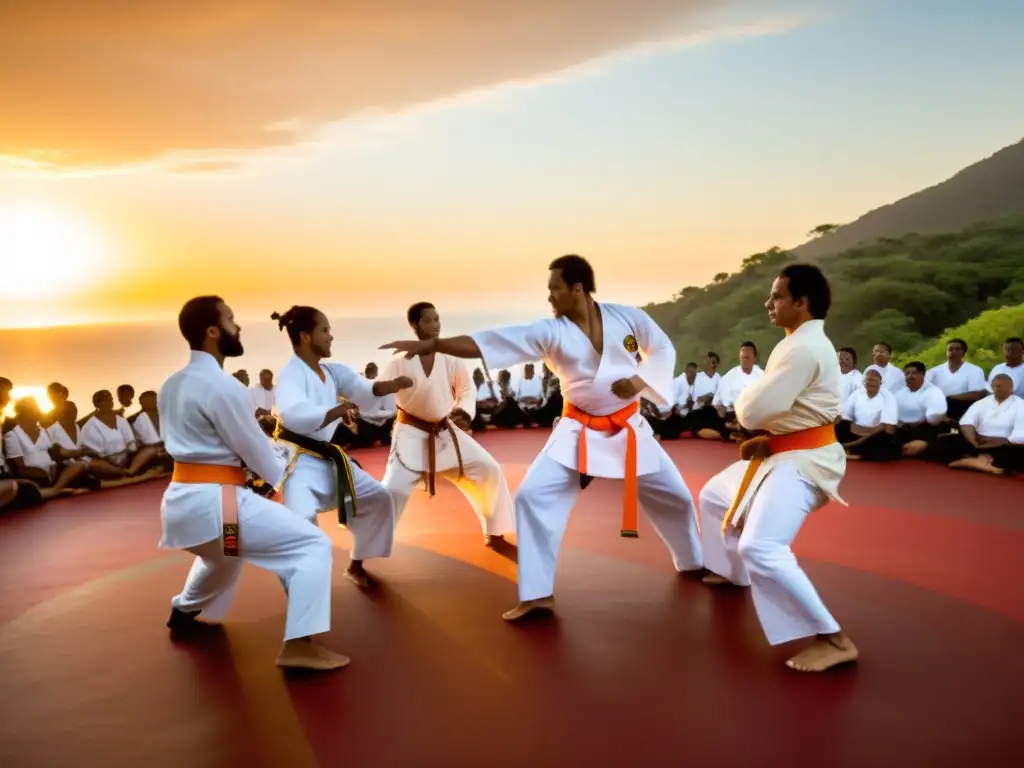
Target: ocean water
column 89, row 358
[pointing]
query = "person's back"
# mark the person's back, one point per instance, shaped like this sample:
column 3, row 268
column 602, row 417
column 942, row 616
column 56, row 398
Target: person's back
column 187, row 404
column 210, row 430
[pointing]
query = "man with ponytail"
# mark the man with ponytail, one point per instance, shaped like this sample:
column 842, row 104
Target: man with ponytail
column 308, row 391
column 207, row 422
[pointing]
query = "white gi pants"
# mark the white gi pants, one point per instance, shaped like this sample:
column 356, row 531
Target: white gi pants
column 313, row 488
column 270, row 537
column 483, row 484
column 787, row 604
column 547, row 495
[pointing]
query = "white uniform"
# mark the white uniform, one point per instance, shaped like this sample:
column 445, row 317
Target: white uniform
column 35, row 454
column 732, row 385
column 145, row 431
column 111, row 445
column 303, row 400
column 206, row 418
column 551, row 486
column 431, row 399
column 60, row 437
column 801, row 389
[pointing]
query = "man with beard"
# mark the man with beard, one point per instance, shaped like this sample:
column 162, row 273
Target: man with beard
column 429, row 437
column 209, row 430
column 592, row 349
column 308, row 391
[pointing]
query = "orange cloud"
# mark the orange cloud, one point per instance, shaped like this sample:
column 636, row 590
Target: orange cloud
column 107, row 83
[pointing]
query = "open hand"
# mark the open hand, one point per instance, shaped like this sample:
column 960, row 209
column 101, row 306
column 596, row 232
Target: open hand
column 410, row 348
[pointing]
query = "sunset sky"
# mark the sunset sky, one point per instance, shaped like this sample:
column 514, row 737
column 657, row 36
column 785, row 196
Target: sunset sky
column 366, row 154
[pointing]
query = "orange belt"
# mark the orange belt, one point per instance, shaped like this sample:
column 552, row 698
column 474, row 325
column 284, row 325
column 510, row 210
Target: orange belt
column 757, row 449
column 613, row 423
column 433, row 429
column 228, row 478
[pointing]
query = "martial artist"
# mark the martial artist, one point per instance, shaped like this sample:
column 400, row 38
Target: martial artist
column 308, row 391
column 592, row 349
column 207, row 421
column 430, row 440
column 753, row 510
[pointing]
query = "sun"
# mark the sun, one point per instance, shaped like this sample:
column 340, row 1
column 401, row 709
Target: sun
column 47, row 252
column 38, row 393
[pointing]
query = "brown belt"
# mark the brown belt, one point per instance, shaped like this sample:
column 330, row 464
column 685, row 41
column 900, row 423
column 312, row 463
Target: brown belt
column 433, row 429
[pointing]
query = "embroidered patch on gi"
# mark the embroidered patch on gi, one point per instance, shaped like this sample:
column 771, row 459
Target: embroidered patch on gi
column 630, row 344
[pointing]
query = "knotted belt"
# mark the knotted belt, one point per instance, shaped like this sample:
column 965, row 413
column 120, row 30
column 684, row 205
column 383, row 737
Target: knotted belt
column 228, row 478
column 757, row 449
column 433, row 429
column 613, row 422
column 321, row 449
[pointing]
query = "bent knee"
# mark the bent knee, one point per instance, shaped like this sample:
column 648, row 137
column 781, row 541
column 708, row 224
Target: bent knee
column 763, row 558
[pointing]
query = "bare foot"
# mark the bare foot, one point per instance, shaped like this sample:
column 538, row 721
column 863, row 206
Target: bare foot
column 540, row 604
column 493, row 539
column 825, row 652
column 714, row 580
column 358, row 575
column 304, row 654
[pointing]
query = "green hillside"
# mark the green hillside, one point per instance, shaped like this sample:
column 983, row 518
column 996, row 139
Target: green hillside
column 984, row 335
column 907, row 291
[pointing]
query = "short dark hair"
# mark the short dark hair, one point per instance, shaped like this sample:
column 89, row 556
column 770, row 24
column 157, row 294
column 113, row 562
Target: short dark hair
column 296, row 321
column 575, row 269
column 916, row 365
column 99, row 397
column 714, row 356
column 751, row 345
column 806, row 281
column 415, row 312
column 851, row 352
column 886, row 344
column 1014, row 340
column 197, row 316
column 126, row 389
column 961, row 342
column 691, row 364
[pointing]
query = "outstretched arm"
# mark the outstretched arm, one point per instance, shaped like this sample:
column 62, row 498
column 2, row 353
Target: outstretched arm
column 456, row 346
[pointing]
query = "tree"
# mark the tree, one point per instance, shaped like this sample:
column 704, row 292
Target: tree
column 823, row 229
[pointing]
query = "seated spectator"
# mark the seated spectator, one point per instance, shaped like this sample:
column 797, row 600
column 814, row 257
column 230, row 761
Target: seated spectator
column 30, row 452
column 722, row 424
column 852, row 378
column 1012, row 365
column 961, row 382
column 921, row 410
column 147, row 429
column 508, row 414
column 529, row 393
column 869, row 421
column 983, row 441
column 108, row 436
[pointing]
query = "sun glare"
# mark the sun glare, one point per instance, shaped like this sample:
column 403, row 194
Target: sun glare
column 46, row 252
column 38, row 393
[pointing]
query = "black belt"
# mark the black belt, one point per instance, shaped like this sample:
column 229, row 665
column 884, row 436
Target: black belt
column 328, row 452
